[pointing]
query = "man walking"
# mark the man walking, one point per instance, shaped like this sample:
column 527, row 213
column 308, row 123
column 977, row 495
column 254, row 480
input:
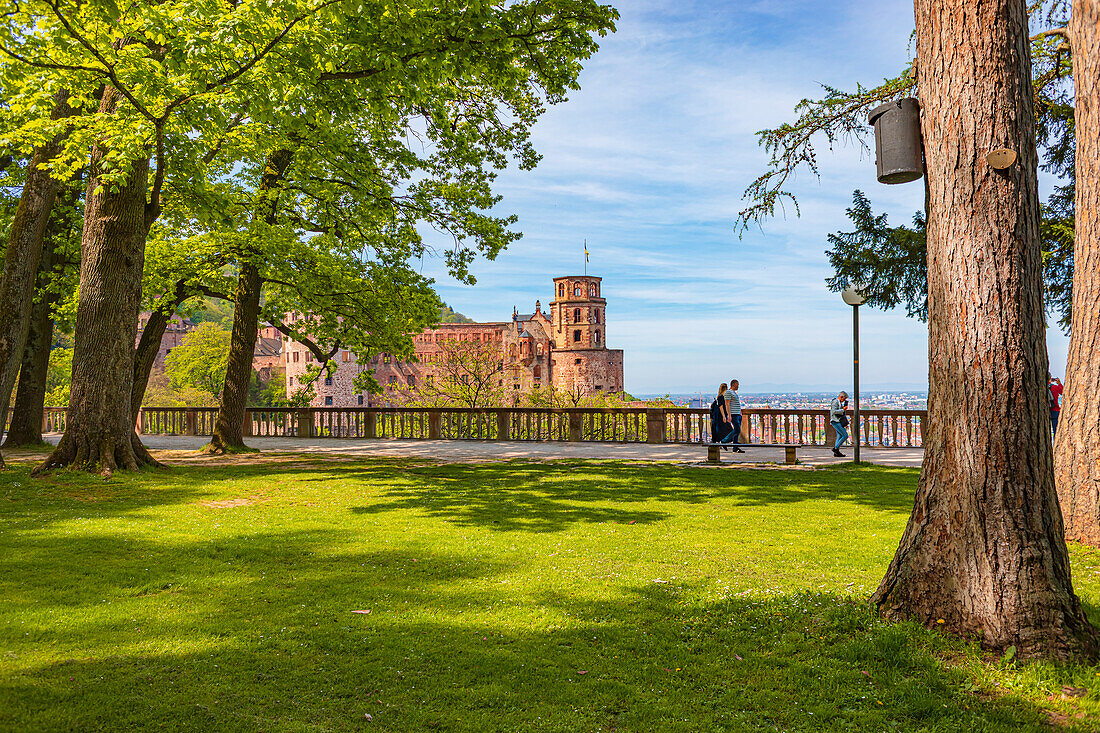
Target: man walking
column 733, row 410
column 839, row 420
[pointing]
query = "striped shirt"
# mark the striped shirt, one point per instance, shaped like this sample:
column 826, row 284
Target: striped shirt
column 733, row 402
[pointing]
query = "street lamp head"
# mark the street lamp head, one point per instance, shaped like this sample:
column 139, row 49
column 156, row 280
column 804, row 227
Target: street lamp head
column 853, row 296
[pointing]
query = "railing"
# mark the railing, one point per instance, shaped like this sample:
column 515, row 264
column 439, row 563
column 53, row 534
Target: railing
column 878, row 428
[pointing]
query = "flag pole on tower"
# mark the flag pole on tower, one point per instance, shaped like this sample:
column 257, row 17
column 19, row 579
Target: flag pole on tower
column 586, row 257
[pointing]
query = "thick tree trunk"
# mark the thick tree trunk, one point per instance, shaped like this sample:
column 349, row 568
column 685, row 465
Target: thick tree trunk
column 28, row 230
column 99, row 432
column 983, row 553
column 229, row 428
column 30, row 397
column 1077, row 444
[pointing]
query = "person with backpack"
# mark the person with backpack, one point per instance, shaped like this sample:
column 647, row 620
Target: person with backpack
column 838, row 418
column 720, row 429
column 1054, row 395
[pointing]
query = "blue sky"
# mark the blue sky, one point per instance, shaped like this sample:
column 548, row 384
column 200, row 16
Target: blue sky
column 648, row 162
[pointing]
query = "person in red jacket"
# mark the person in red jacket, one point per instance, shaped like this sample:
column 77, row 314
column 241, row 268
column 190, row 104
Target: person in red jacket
column 1054, row 394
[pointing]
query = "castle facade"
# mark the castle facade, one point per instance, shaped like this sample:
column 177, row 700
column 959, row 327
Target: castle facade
column 565, row 349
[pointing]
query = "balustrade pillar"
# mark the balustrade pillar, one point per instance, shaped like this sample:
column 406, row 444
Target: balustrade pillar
column 435, row 425
column 189, row 422
column 305, row 423
column 370, row 424
column 246, row 430
column 655, row 426
column 504, row 425
column 576, row 426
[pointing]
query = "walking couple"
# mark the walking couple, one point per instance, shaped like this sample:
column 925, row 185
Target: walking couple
column 725, row 416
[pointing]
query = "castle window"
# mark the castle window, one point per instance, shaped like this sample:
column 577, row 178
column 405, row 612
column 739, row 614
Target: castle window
column 576, row 361
column 538, row 372
column 393, row 381
column 599, row 388
column 592, row 292
column 385, row 358
column 576, row 315
column 538, row 349
column 360, row 399
column 412, row 380
column 347, row 356
column 295, row 357
column 429, row 379
column 577, row 291
column 577, row 336
column 597, row 337
column 561, row 290
column 328, row 381
column 328, row 402
column 597, row 315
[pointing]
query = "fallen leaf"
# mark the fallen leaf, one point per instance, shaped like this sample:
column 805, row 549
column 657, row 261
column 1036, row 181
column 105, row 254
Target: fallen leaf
column 366, row 611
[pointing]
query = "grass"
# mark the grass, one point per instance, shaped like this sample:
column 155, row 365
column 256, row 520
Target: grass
column 516, row 596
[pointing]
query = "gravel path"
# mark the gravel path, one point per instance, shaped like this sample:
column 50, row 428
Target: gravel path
column 473, row 450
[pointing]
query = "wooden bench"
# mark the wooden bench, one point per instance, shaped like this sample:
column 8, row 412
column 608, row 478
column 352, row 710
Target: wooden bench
column 714, row 450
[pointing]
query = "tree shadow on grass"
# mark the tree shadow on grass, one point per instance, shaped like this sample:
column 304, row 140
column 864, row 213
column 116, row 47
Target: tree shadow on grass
column 255, row 654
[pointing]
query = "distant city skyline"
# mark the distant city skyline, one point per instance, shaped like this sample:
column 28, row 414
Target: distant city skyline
column 648, row 163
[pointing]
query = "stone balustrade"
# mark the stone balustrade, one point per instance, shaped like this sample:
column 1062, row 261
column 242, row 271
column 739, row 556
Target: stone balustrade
column 878, row 428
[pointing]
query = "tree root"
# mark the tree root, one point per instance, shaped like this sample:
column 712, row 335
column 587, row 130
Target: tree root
column 101, row 454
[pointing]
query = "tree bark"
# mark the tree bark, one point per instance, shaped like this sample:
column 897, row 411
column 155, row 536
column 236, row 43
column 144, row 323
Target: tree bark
column 983, row 554
column 98, row 431
column 1077, row 443
column 228, row 432
column 30, row 396
column 28, row 230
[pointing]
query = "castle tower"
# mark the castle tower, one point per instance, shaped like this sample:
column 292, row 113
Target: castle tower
column 577, row 314
column 582, row 362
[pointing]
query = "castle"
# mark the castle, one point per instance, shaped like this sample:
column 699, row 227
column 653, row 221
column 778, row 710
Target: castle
column 565, row 348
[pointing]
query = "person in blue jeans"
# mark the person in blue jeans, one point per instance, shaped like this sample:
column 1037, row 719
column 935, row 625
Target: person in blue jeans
column 733, row 412
column 839, row 420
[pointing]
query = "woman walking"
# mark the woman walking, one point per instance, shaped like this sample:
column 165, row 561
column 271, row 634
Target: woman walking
column 720, row 429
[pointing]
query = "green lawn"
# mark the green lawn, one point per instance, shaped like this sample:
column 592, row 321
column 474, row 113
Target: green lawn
column 518, row 596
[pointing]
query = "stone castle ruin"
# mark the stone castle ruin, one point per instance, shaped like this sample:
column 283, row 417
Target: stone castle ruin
column 565, row 349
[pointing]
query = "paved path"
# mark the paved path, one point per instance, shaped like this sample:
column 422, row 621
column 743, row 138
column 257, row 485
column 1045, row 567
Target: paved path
column 474, row 450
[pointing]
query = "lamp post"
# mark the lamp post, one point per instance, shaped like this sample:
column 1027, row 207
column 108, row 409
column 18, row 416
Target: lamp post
column 854, row 298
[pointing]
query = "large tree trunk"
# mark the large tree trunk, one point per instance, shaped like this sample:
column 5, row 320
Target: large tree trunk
column 229, row 428
column 98, row 431
column 1077, row 453
column 30, row 397
column 983, row 553
column 28, row 230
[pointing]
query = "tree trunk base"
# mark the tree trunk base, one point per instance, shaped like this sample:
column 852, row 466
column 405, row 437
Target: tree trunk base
column 99, row 453
column 219, row 447
column 1062, row 634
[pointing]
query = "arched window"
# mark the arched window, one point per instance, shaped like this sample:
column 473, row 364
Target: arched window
column 592, row 292
column 538, row 349
column 577, row 290
column 597, row 337
column 597, row 315
column 538, row 372
column 561, row 290
column 577, row 336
